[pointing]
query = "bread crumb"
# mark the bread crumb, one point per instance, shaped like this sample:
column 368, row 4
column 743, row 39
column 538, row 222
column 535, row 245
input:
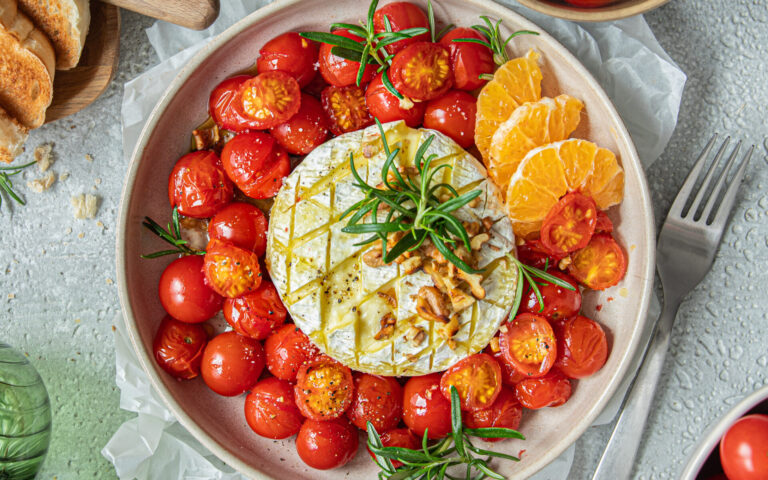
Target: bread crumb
column 113, row 328
column 39, row 185
column 77, row 320
column 80, row 235
column 99, row 224
column 68, row 231
column 88, row 157
column 44, row 156
column 11, row 296
column 110, row 281
column 624, row 292
column 63, row 176
column 97, row 181
column 85, row 206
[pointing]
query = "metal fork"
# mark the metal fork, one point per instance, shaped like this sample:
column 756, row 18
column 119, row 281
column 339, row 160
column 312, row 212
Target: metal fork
column 685, row 252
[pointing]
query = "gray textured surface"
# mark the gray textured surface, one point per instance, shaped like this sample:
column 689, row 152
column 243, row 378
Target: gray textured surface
column 58, row 301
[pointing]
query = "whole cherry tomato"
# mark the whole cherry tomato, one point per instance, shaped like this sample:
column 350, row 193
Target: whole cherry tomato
column 271, row 411
column 599, row 265
column 528, row 344
column 386, row 107
column 324, row 389
column 581, row 345
column 256, row 163
column 509, row 376
column 603, row 223
column 744, row 449
column 401, row 16
column 506, row 412
column 242, row 225
column 477, row 379
column 425, row 407
column 287, row 350
column 378, row 400
column 468, row 60
column 551, row 390
column 535, row 254
column 178, row 348
column 184, row 293
column 226, row 105
column 570, row 224
column 422, row 71
column 590, row 3
column 292, row 54
column 327, row 444
column 304, row 131
column 338, row 71
column 454, row 115
column 559, row 302
column 399, row 437
column 198, row 185
column 256, row 314
column 346, row 109
column 231, row 271
column 270, row 98
column 232, row 363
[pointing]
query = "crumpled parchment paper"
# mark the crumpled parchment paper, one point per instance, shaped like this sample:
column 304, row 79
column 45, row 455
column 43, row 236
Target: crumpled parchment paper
column 643, row 82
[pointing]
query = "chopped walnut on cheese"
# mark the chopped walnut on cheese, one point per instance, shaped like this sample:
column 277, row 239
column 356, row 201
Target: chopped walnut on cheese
column 85, row 206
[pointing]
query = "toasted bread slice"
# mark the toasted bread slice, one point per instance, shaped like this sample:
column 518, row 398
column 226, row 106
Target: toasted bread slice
column 12, row 137
column 66, row 24
column 27, row 62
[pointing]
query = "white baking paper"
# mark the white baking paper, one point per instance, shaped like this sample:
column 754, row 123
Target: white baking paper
column 644, row 84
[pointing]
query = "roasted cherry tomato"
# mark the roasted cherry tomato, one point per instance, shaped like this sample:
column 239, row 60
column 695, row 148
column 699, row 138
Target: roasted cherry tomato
column 232, row 363
column 231, row 271
column 401, row 16
column 477, row 379
column 256, row 314
column 505, row 412
column 603, row 224
column 287, row 350
column 399, row 437
column 338, row 71
column 559, row 302
column 535, row 254
column 425, row 408
column 178, row 348
column 378, row 400
column 468, row 60
column 271, row 411
column 386, row 107
column 327, row 444
column 198, row 185
column 581, row 345
column 590, row 3
column 551, row 390
column 292, row 54
column 454, row 115
column 304, row 131
column 184, row 293
column 316, row 87
column 226, row 105
column 569, row 224
column 744, row 449
column 599, row 265
column 528, row 344
column 346, row 110
column 270, row 98
column 422, row 71
column 509, row 376
column 324, row 389
column 256, row 163
column 242, row 225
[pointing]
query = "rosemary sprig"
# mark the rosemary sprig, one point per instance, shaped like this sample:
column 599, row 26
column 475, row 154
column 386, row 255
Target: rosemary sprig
column 432, row 30
column 493, row 39
column 432, row 462
column 6, row 182
column 527, row 273
column 172, row 235
column 413, row 207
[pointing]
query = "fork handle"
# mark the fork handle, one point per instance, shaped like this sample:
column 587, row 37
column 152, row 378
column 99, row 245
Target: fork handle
column 619, row 455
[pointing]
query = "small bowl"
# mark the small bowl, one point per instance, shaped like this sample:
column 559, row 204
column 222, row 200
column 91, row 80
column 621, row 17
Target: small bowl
column 614, row 11
column 705, row 460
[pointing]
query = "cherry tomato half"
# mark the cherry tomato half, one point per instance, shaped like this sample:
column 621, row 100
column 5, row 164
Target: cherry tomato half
column 551, row 390
column 599, row 265
column 338, row 71
column 528, row 344
column 477, row 379
column 454, row 115
column 569, row 225
column 509, row 376
column 232, row 363
column 292, row 54
column 327, row 444
column 304, row 131
column 399, row 437
column 386, row 107
column 256, row 314
column 401, row 16
column 270, row 98
column 242, row 225
column 346, row 110
column 506, row 412
column 559, row 302
column 468, row 60
column 198, row 185
column 378, row 400
column 744, row 448
column 288, row 349
column 324, row 389
column 226, row 105
column 256, row 163
column 271, row 411
column 231, row 271
column 178, row 348
column 184, row 293
column 603, row 223
column 422, row 71
column 581, row 345
column 425, row 407
column 535, row 254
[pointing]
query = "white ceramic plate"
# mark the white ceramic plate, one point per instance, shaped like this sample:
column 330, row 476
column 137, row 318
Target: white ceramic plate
column 219, row 422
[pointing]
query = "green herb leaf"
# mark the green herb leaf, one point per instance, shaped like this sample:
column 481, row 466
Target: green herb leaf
column 171, row 236
column 333, row 39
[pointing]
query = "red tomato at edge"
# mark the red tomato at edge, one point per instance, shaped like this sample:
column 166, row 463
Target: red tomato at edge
column 256, row 314
column 378, row 400
column 198, row 185
column 242, row 225
column 338, row 71
column 178, row 348
column 401, row 16
column 292, row 54
column 287, row 350
column 256, row 164
column 386, row 107
column 454, row 115
column 304, row 131
column 184, row 293
column 425, row 407
column 744, row 449
column 506, row 412
column 232, row 363
column 271, row 411
column 468, row 60
column 328, row 444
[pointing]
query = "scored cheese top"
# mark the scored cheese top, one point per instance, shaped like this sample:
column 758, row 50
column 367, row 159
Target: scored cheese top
column 332, row 294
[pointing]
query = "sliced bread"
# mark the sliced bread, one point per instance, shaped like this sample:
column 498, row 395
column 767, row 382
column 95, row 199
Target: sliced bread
column 66, row 24
column 12, row 137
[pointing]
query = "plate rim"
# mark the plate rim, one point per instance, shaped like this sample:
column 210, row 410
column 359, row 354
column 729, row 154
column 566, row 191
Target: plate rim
column 600, row 14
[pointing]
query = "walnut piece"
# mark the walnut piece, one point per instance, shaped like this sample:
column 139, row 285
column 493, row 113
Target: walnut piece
column 415, row 335
column 430, row 305
column 387, row 322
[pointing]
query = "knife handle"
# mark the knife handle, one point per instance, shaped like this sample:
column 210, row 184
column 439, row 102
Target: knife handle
column 194, row 14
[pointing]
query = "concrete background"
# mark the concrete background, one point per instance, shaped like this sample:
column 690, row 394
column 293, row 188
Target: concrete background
column 59, row 301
